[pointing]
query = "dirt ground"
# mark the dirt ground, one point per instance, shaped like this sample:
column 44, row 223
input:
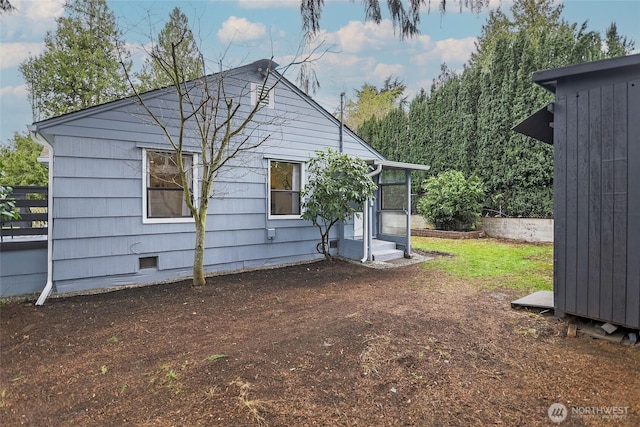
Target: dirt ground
column 322, row 344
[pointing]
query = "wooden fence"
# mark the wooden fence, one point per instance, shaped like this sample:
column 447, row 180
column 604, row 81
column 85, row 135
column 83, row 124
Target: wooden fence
column 32, row 205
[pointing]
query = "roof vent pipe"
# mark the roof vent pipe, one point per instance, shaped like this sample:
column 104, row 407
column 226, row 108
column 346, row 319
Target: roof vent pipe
column 341, row 120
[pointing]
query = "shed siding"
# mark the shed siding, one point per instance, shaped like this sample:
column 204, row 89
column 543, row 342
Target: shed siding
column 633, row 221
column 560, row 201
column 597, row 200
column 98, row 233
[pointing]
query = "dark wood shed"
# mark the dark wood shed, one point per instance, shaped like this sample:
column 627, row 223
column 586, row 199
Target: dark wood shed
column 595, row 122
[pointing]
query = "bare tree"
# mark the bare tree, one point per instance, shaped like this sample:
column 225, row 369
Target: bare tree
column 218, row 115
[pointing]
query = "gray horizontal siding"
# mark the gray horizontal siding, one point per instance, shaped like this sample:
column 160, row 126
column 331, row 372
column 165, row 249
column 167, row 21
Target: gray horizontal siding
column 97, row 247
column 96, row 187
column 154, row 276
column 22, row 272
column 77, row 167
column 89, row 148
column 98, row 229
column 118, row 265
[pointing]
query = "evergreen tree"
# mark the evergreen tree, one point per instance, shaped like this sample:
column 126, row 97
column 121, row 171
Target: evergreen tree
column 80, row 65
column 176, row 35
column 465, row 122
column 616, row 44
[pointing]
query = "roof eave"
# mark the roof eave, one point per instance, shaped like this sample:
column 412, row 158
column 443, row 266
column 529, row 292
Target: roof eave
column 401, row 165
column 548, row 78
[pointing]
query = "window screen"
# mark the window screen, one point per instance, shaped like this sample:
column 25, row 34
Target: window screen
column 165, row 198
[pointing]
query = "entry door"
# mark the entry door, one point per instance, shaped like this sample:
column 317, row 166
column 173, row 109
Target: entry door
column 393, row 205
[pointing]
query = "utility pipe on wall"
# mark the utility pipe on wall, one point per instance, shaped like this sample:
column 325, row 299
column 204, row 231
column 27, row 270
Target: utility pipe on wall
column 341, row 121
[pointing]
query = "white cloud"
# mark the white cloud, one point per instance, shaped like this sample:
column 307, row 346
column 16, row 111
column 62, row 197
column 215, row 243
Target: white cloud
column 12, row 54
column 382, row 71
column 32, row 19
column 455, row 50
column 17, row 91
column 40, row 10
column 237, row 29
column 357, row 36
column 452, row 51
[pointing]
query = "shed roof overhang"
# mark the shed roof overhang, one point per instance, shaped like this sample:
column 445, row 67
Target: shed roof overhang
column 548, row 79
column 539, row 125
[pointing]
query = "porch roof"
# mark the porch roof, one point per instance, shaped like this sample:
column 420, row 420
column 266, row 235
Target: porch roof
column 399, row 165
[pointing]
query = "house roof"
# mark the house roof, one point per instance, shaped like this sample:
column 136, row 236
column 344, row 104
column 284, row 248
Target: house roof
column 259, row 66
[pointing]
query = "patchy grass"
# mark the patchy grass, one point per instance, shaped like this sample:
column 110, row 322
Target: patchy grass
column 252, row 406
column 214, row 357
column 493, row 263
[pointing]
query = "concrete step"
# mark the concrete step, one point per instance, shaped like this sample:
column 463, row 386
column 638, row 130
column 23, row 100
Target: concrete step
column 381, row 245
column 387, row 254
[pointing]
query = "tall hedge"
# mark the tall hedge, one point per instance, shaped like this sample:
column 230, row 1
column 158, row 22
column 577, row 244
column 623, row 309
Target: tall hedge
column 465, row 122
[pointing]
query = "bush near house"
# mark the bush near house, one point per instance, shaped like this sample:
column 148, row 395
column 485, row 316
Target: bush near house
column 452, row 202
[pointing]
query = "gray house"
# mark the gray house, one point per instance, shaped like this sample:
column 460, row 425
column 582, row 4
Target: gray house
column 115, row 218
column 594, row 126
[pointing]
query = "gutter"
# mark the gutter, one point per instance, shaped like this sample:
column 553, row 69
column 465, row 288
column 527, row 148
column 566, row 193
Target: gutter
column 366, row 224
column 49, row 285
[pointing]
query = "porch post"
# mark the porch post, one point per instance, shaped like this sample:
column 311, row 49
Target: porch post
column 407, row 252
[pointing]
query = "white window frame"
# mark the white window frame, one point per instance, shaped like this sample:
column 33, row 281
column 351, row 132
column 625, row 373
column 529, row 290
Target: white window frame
column 268, row 102
column 194, row 191
column 302, row 181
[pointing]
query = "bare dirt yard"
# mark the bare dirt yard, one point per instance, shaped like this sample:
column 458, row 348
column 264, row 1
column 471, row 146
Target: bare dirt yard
column 322, row 344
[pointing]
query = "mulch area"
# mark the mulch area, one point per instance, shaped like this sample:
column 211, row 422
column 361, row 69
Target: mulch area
column 327, row 343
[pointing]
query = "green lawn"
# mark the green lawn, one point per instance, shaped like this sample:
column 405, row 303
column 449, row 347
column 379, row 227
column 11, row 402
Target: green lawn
column 493, row 263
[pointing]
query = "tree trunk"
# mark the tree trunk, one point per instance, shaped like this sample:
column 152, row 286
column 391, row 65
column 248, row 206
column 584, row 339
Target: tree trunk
column 198, row 254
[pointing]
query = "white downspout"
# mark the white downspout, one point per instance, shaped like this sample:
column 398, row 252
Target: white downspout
column 366, row 233
column 49, row 285
column 365, row 230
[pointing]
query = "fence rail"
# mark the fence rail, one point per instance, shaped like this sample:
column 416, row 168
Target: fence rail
column 31, row 203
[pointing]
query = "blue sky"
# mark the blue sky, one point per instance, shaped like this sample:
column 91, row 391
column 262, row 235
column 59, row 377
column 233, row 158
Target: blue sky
column 234, row 33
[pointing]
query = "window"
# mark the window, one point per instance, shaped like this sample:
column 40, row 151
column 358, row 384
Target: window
column 259, row 93
column 163, row 194
column 393, row 190
column 284, row 178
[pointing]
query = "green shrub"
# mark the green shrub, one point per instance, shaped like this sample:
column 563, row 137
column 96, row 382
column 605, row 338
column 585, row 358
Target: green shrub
column 452, row 202
column 338, row 184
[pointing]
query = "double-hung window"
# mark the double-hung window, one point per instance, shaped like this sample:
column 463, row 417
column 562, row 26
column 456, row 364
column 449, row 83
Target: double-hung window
column 164, row 195
column 285, row 184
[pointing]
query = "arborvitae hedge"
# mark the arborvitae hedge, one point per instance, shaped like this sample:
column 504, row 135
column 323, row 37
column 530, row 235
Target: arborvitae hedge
column 465, row 122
